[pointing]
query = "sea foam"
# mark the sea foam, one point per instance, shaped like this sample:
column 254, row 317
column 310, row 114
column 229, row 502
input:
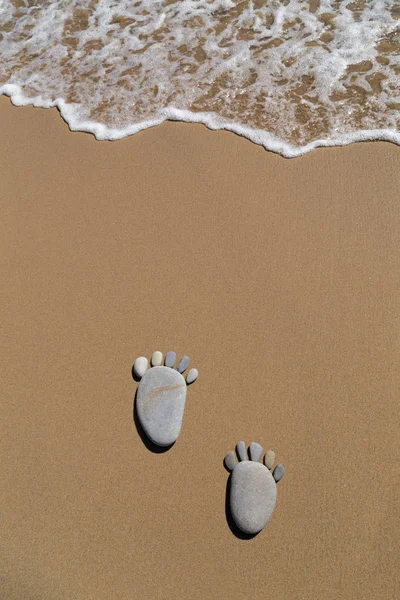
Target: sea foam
column 290, row 75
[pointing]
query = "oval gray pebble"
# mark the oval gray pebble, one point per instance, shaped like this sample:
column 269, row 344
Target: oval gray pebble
column 183, row 364
column 192, row 376
column 241, row 450
column 252, row 496
column 170, row 359
column 279, row 472
column 255, row 451
column 156, row 359
column 160, row 404
column 230, row 461
column 269, row 459
column 140, row 366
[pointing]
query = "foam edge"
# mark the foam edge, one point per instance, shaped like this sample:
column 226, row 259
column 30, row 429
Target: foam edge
column 211, row 120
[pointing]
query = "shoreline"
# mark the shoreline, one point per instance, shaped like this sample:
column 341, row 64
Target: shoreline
column 213, row 122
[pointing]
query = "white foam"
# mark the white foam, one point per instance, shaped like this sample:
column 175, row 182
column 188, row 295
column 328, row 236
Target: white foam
column 118, row 68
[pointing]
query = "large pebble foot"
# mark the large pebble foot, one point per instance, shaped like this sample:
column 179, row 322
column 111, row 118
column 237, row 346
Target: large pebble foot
column 253, row 487
column 161, row 396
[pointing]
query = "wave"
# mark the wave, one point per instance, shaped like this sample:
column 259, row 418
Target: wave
column 289, row 75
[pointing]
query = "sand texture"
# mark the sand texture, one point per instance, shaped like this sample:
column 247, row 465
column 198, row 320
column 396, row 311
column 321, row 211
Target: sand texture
column 280, row 279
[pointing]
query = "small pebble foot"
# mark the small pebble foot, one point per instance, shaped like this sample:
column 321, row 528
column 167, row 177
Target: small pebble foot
column 161, row 396
column 253, row 487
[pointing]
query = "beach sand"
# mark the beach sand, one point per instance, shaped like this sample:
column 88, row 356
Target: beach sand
column 280, row 279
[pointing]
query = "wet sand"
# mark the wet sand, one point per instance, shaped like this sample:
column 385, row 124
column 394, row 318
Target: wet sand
column 280, row 279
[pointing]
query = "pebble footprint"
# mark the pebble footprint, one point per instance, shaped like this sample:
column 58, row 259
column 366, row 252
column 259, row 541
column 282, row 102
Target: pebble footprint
column 161, row 395
column 253, row 487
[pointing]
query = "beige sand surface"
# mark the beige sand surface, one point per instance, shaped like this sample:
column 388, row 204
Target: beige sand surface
column 281, row 280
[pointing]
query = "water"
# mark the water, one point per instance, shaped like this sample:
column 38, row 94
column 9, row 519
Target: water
column 288, row 74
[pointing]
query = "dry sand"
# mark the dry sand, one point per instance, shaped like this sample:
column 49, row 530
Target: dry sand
column 281, row 280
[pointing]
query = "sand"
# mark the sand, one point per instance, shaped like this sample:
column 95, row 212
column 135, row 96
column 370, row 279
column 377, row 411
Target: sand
column 280, row 279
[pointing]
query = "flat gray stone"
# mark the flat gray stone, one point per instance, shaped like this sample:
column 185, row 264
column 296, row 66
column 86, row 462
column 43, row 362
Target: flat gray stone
column 183, row 364
column 255, row 451
column 160, row 404
column 279, row 472
column 170, row 359
column 241, row 450
column 192, row 376
column 252, row 496
column 230, row 461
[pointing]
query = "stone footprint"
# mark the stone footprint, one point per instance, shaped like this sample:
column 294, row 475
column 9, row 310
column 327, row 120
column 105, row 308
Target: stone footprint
column 161, row 395
column 253, row 487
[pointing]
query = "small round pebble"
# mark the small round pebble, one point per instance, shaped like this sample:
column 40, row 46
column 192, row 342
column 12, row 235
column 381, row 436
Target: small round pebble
column 279, row 472
column 140, row 366
column 170, row 359
column 156, row 359
column 192, row 376
column 183, row 364
column 269, row 459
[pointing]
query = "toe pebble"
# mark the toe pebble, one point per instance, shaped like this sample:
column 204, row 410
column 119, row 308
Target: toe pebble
column 241, row 450
column 140, row 366
column 183, row 364
column 230, row 461
column 255, row 451
column 269, row 459
column 170, row 359
column 192, row 376
column 278, row 473
column 156, row 359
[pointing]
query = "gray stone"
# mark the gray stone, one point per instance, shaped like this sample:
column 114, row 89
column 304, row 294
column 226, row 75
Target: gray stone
column 279, row 472
column 192, row 376
column 241, row 450
column 170, row 359
column 160, row 404
column 183, row 364
column 140, row 366
column 255, row 451
column 269, row 459
column 252, row 496
column 156, row 359
column 230, row 461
